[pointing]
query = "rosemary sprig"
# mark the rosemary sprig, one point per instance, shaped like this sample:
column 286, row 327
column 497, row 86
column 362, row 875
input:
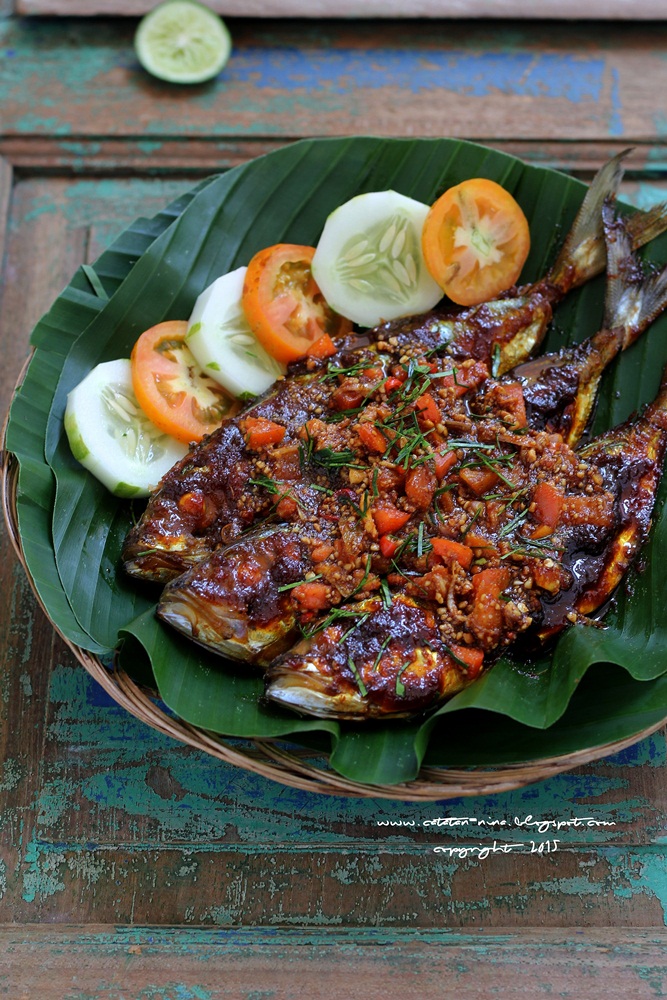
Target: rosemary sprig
column 514, row 523
column 333, row 371
column 336, row 614
column 379, row 656
column 386, row 593
column 269, row 484
column 331, row 459
column 298, row 583
column 471, row 522
column 356, row 626
column 452, row 654
column 363, row 690
column 533, row 547
column 364, row 579
column 400, row 686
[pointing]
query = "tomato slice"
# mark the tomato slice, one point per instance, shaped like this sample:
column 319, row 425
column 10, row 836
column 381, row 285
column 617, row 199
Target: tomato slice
column 283, row 305
column 171, row 388
column 475, row 241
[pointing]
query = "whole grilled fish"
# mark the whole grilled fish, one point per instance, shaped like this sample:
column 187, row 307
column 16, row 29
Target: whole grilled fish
column 209, row 498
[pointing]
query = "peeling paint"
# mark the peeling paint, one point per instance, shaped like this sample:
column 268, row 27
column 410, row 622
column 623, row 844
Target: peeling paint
column 10, row 775
column 646, row 872
column 42, row 872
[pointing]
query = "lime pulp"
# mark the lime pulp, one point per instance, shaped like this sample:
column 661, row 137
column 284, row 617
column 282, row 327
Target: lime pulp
column 182, row 41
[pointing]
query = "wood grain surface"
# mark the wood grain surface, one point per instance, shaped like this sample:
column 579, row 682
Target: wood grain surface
column 546, row 9
column 91, row 963
column 276, row 892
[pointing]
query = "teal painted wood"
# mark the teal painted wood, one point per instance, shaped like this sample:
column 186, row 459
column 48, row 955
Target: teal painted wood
column 555, row 81
column 118, row 803
column 106, row 964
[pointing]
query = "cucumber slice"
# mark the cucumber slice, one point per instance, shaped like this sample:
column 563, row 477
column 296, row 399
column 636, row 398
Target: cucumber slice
column 110, row 436
column 223, row 343
column 182, row 41
column 369, row 263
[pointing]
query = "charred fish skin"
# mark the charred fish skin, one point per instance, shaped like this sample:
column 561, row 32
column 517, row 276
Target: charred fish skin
column 390, row 661
column 237, row 603
column 633, row 455
column 207, row 499
column 184, row 522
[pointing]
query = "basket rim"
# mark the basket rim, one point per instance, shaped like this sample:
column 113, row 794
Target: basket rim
column 267, row 757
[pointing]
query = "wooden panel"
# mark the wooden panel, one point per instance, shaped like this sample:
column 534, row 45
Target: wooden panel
column 203, row 156
column 77, row 81
column 110, row 964
column 103, row 820
column 594, row 9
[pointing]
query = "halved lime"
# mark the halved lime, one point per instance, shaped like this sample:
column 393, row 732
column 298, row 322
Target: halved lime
column 182, row 41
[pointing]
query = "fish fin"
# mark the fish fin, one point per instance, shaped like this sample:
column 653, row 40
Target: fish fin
column 633, row 299
column 645, row 226
column 583, row 255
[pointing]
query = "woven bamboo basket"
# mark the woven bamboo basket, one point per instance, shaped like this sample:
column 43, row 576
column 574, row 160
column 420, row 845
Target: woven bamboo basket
column 299, row 767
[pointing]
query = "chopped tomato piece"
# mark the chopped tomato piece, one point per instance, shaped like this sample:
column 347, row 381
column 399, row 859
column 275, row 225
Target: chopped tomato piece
column 599, row 511
column 322, row 348
column 390, row 478
column 420, row 485
column 171, row 388
column 476, row 540
column 542, row 531
column 550, row 578
column 348, row 396
column 286, row 462
column 428, row 408
column 449, row 551
column 486, row 617
column 372, row 438
column 388, row 518
column 480, row 481
column 287, row 508
column 312, row 596
column 284, row 307
column 475, row 241
column 472, row 657
column 548, row 504
column 392, row 383
column 507, row 398
column 321, row 552
column 443, row 463
column 388, row 546
column 260, row 432
column 464, row 379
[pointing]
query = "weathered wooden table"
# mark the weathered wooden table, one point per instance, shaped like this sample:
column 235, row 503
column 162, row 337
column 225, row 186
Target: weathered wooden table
column 131, row 866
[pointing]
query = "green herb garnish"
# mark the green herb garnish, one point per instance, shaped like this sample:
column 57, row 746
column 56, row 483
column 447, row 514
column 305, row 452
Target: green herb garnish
column 363, row 690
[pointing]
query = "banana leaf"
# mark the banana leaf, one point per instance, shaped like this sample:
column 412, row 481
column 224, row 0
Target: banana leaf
column 74, row 555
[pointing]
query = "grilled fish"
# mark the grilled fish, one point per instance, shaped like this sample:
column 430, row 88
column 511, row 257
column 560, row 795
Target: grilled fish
column 208, row 499
column 440, row 518
column 407, row 654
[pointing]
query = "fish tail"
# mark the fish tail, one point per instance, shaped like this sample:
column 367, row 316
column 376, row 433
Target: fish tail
column 633, row 299
column 583, row 255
